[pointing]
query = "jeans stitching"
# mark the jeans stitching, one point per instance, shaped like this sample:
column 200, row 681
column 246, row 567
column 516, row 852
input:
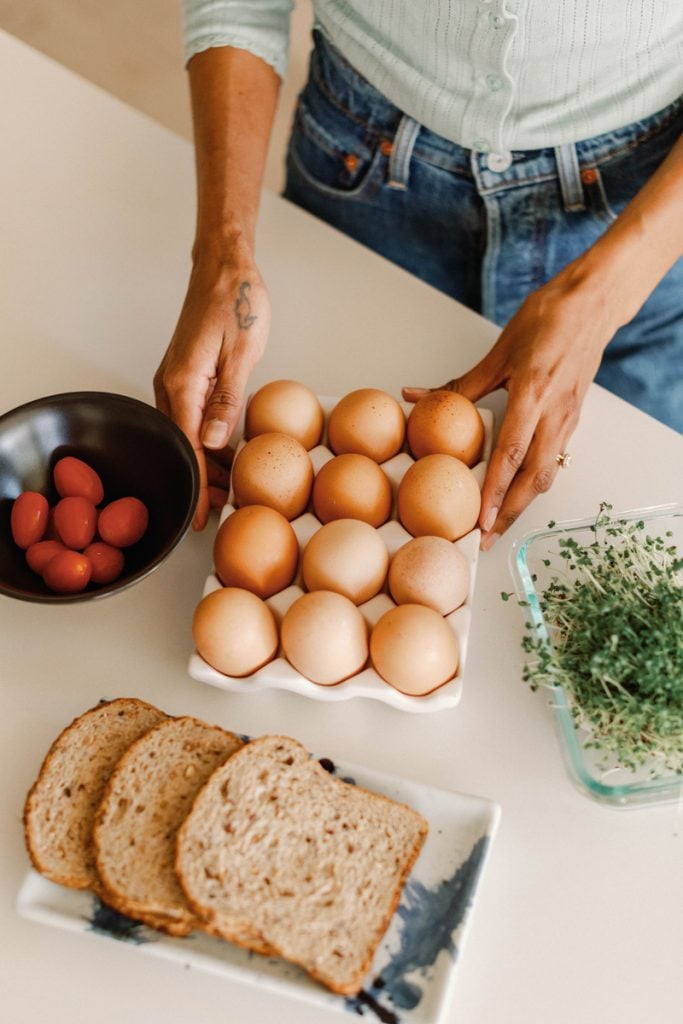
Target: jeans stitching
column 315, row 134
column 506, row 186
column 451, row 168
column 628, row 147
column 606, row 214
column 331, row 98
column 365, row 185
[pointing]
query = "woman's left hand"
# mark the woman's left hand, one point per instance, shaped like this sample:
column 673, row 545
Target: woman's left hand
column 545, row 358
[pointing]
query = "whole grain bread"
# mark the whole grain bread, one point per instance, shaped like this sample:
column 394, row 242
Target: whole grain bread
column 60, row 807
column 278, row 853
column 146, row 798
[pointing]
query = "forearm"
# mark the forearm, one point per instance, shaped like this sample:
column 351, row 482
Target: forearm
column 234, row 96
column 631, row 258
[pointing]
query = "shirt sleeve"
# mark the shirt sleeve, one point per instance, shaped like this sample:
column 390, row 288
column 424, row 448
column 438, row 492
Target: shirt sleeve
column 260, row 26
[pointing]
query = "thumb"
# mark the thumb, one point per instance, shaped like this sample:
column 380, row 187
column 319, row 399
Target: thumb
column 477, row 382
column 224, row 404
column 474, row 384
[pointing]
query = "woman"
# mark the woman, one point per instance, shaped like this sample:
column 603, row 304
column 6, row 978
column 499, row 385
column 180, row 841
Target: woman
column 524, row 156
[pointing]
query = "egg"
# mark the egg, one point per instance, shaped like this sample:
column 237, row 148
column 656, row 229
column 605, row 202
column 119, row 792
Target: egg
column 414, row 649
column 347, row 556
column 274, row 470
column 352, row 487
column 256, row 548
column 368, row 422
column 234, row 631
column 325, row 637
column 447, row 423
column 430, row 571
column 287, row 407
column 439, row 495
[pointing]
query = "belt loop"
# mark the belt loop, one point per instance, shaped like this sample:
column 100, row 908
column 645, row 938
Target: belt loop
column 570, row 177
column 402, row 151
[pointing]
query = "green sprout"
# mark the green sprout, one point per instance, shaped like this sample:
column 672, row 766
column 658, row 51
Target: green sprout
column 615, row 617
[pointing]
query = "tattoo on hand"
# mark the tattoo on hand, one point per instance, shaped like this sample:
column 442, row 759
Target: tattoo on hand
column 245, row 318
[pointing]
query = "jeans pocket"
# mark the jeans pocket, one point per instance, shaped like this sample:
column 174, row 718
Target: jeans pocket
column 621, row 175
column 340, row 165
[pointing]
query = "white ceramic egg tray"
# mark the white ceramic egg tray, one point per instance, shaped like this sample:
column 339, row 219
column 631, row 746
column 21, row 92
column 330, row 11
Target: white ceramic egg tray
column 279, row 674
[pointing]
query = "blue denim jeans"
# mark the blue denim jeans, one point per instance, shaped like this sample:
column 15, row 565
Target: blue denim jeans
column 487, row 229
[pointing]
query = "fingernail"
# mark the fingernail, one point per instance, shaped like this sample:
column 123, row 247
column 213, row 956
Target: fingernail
column 488, row 540
column 490, row 520
column 418, row 392
column 215, row 434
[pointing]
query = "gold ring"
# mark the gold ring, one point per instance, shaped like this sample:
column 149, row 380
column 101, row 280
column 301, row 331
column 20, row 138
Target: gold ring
column 564, row 459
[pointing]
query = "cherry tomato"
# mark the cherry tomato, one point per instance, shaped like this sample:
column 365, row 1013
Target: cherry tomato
column 75, row 478
column 68, row 572
column 107, row 562
column 28, row 519
column 38, row 555
column 123, row 522
column 76, row 521
column 51, row 531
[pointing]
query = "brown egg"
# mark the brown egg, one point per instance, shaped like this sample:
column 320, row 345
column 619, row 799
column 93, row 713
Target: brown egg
column 430, row 571
column 348, row 557
column 325, row 637
column 287, row 407
column 352, row 487
column 256, row 548
column 414, row 649
column 234, row 631
column 275, row 470
column 368, row 422
column 440, row 496
column 446, row 423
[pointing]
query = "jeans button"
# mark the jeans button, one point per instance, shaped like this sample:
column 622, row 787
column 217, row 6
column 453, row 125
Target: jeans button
column 499, row 162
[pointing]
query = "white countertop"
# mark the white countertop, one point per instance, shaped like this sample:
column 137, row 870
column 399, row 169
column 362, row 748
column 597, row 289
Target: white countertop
column 578, row 918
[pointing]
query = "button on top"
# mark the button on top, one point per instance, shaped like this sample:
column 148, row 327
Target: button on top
column 494, row 82
column 499, row 162
column 497, row 20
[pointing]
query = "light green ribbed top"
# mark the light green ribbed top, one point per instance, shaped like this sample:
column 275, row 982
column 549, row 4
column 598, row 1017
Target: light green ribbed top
column 492, row 75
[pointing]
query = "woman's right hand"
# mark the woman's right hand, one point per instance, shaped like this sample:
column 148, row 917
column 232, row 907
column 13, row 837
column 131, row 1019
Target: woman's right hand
column 221, row 334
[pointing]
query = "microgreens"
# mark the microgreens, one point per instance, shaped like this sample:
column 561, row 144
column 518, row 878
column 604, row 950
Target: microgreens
column 615, row 617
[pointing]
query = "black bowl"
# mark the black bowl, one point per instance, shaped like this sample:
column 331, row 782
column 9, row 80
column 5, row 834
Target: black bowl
column 137, row 452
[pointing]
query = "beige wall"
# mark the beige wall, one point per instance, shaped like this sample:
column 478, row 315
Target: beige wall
column 133, row 49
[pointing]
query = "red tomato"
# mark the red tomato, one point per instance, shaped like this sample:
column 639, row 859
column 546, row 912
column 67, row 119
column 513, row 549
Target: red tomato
column 68, row 572
column 107, row 562
column 123, row 522
column 75, row 478
column 76, row 521
column 28, row 519
column 38, row 555
column 51, row 531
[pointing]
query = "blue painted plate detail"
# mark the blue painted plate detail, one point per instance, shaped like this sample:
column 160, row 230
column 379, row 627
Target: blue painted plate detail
column 412, row 975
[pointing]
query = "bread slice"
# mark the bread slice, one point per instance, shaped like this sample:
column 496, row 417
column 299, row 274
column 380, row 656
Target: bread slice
column 147, row 797
column 278, row 851
column 60, row 806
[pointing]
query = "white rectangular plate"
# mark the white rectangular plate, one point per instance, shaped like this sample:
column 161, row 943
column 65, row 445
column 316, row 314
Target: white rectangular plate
column 413, row 972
